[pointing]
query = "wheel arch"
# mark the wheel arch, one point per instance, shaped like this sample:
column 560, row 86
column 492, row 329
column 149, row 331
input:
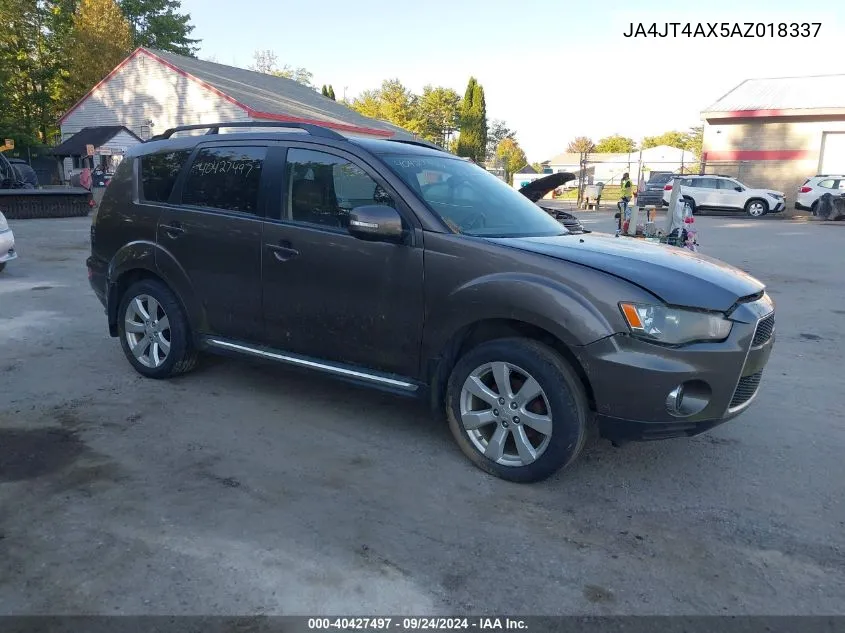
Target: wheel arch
column 142, row 260
column 473, row 334
column 765, row 202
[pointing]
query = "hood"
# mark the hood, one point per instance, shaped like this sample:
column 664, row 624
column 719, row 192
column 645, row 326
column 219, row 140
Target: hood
column 676, row 275
column 540, row 187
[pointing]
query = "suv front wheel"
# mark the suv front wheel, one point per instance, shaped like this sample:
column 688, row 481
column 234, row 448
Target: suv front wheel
column 756, row 208
column 154, row 331
column 516, row 409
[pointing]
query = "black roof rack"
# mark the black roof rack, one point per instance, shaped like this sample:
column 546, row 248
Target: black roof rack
column 419, row 142
column 214, row 128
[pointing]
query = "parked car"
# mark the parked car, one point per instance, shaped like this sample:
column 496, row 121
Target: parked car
column 722, row 193
column 652, row 191
column 7, row 243
column 814, row 188
column 396, row 265
column 536, row 190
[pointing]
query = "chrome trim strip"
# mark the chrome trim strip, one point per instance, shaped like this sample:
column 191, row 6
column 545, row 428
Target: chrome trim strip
column 301, row 362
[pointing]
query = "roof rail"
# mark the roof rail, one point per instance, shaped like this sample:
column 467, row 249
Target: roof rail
column 828, row 175
column 421, row 143
column 214, row 128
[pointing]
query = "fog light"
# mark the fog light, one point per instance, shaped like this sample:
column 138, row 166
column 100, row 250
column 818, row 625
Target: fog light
column 675, row 399
column 688, row 398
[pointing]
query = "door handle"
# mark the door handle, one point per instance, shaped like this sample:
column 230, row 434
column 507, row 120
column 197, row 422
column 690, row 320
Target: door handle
column 283, row 253
column 174, row 230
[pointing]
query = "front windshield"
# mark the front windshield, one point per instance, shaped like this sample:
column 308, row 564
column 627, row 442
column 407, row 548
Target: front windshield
column 470, row 199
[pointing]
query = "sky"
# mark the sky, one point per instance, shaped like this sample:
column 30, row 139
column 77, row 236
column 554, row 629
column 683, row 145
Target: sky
column 552, row 70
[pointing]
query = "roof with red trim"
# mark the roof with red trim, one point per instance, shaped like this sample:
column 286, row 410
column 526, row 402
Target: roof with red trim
column 819, row 92
column 270, row 97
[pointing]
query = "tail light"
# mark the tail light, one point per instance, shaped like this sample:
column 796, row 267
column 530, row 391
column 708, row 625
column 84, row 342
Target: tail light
column 667, row 188
column 806, row 189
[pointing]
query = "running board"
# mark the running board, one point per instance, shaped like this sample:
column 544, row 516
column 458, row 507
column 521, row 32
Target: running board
column 326, row 367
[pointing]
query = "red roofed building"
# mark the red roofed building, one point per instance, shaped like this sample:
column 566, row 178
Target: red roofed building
column 778, row 132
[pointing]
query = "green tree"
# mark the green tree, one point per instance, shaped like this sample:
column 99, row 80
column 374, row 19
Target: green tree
column 672, row 139
column 392, row 102
column 331, row 93
column 695, row 140
column 324, row 91
column 33, row 57
column 158, row 24
column 100, row 39
column 538, row 167
column 615, row 144
column 512, row 157
column 472, row 142
column 438, row 113
column 266, row 61
column 580, row 145
column 497, row 132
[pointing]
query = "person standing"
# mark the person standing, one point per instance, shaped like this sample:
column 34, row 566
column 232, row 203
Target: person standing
column 625, row 197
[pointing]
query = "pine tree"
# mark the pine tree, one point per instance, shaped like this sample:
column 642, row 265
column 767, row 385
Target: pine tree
column 158, row 24
column 472, row 142
column 330, row 94
column 100, row 39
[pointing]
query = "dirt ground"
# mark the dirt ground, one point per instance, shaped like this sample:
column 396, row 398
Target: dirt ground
column 249, row 489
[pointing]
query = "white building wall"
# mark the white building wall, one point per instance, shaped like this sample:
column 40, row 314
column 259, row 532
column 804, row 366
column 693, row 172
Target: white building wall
column 145, row 91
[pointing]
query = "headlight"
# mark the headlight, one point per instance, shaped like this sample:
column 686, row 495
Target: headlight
column 776, row 196
column 4, row 226
column 673, row 326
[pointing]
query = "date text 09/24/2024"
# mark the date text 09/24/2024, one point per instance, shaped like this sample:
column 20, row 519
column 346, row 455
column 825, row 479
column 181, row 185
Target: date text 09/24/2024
column 724, row 29
column 415, row 624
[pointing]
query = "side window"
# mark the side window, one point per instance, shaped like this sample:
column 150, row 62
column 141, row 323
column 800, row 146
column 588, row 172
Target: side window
column 323, row 189
column 728, row 184
column 159, row 173
column 827, row 184
column 225, row 178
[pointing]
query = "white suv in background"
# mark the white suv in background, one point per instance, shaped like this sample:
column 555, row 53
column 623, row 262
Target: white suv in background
column 815, row 187
column 711, row 192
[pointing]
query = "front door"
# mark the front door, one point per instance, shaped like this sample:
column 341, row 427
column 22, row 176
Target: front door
column 213, row 232
column 327, row 294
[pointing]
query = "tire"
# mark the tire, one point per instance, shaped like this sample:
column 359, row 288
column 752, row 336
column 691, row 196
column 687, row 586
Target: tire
column 756, row 208
column 814, row 208
column 181, row 356
column 561, row 400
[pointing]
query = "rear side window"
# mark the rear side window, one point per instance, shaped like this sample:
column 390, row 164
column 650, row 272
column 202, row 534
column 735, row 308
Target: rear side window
column 159, row 173
column 827, row 184
column 225, row 178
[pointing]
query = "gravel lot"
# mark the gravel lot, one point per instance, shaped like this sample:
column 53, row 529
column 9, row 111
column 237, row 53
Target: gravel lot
column 248, row 489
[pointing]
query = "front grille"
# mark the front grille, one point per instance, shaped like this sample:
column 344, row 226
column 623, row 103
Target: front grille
column 746, row 388
column 764, row 331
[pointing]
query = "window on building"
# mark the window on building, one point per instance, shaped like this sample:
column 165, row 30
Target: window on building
column 159, row 173
column 225, row 178
column 323, row 189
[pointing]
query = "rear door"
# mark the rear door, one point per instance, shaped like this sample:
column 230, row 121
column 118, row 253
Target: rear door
column 327, row 294
column 703, row 191
column 212, row 229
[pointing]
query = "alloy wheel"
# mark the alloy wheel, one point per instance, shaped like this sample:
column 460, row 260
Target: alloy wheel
column 756, row 209
column 147, row 328
column 506, row 414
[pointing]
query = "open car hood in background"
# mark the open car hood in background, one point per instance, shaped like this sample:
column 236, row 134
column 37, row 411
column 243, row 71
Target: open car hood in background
column 534, row 191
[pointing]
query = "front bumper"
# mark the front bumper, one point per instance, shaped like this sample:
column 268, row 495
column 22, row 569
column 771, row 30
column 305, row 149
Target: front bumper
column 7, row 246
column 778, row 207
column 632, row 379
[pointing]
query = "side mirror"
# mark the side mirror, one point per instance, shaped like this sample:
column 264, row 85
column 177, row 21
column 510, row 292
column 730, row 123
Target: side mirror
column 739, row 188
column 376, row 223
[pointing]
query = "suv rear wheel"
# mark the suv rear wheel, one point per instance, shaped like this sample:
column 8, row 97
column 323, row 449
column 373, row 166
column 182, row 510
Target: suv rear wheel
column 516, row 409
column 154, row 331
column 756, row 208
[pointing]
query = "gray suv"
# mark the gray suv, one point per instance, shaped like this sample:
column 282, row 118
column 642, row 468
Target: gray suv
column 399, row 266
